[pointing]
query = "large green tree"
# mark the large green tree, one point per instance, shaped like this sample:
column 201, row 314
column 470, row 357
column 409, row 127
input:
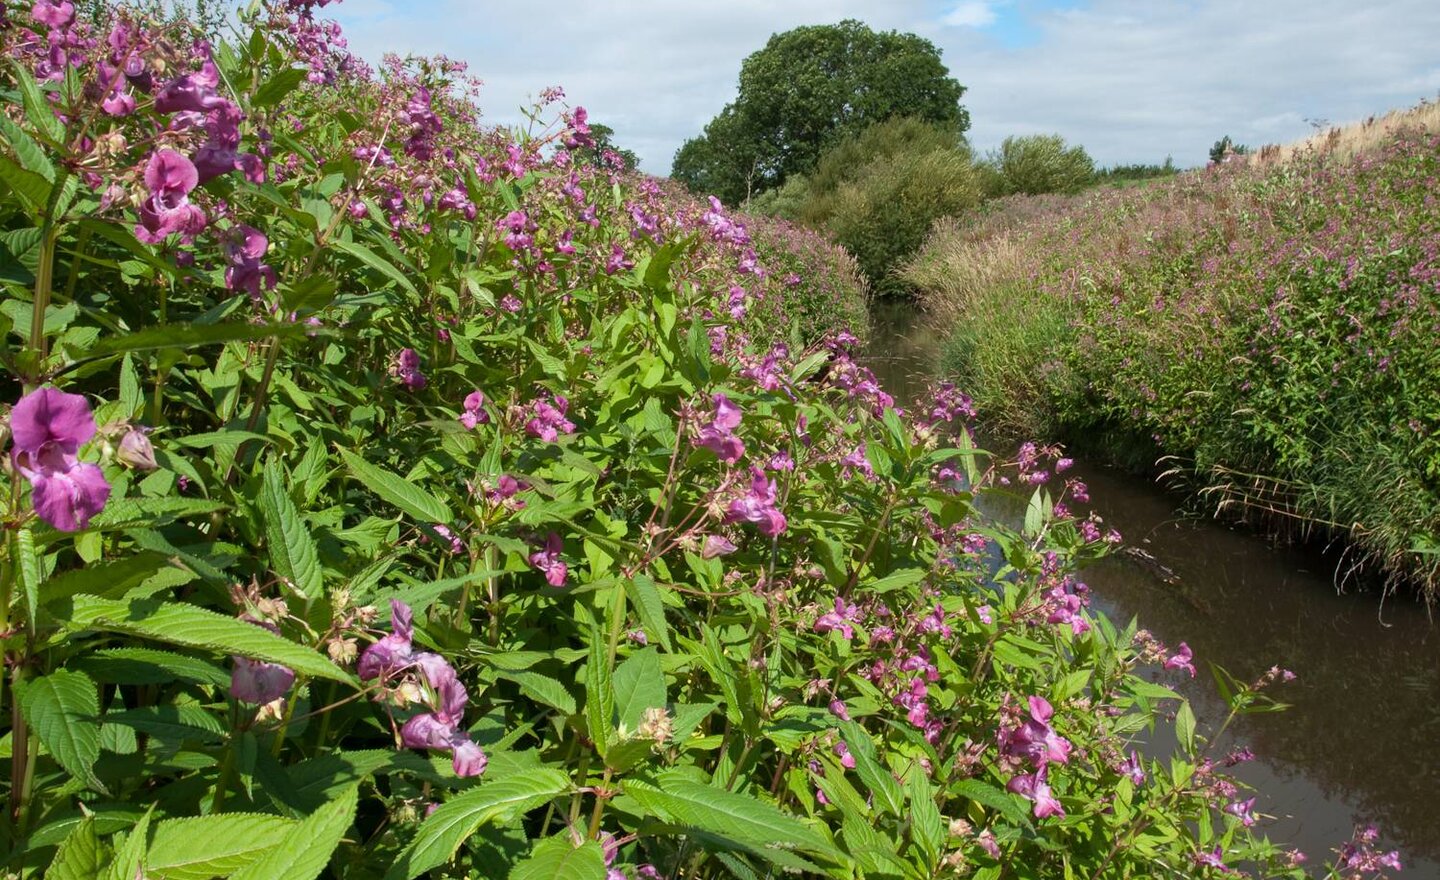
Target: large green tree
column 808, row 89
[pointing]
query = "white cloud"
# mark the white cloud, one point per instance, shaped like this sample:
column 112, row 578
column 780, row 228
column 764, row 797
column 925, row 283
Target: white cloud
column 1131, row 80
column 971, row 14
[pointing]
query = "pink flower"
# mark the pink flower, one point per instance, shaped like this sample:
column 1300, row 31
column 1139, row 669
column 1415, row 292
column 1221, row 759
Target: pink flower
column 758, row 506
column 54, row 14
column 474, row 413
column 439, row 728
column 548, row 561
column 718, row 436
column 167, row 210
column 839, row 619
column 715, row 546
column 406, row 368
column 192, row 92
column 1182, row 660
column 48, row 427
column 847, row 760
column 1034, row 787
column 548, row 420
column 394, row 652
column 244, row 247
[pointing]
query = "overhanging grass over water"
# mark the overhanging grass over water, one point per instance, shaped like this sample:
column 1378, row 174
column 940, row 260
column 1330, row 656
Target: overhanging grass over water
column 1271, row 328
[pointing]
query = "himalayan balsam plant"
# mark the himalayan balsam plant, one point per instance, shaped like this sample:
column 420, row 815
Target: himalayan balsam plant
column 391, row 496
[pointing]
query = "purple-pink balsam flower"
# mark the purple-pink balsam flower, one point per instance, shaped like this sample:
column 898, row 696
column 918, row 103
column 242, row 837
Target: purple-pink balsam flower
column 52, row 14
column 547, row 421
column 439, row 728
column 1182, row 659
column 715, row 546
column 839, row 619
column 1134, row 768
column 842, row 751
column 194, row 92
column 1034, row 787
column 718, row 436
column 167, row 210
column 548, row 560
column 1242, row 810
column 1035, row 739
column 837, row 708
column 394, row 652
column 244, row 248
column 758, row 506
column 48, row 427
column 258, row 682
column 406, row 368
column 474, row 413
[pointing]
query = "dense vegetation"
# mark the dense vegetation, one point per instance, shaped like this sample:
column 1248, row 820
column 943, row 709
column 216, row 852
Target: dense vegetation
column 807, row 90
column 1270, row 327
column 392, row 496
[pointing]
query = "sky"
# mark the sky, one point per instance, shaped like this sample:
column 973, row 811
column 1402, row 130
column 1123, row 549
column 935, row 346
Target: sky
column 1133, row 81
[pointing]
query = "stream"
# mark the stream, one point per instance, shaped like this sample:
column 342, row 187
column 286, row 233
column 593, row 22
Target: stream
column 1361, row 741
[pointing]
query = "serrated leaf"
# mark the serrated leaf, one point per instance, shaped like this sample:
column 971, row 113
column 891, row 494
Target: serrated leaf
column 37, row 109
column 375, row 261
column 1185, row 726
column 397, row 490
column 455, row 820
column 731, row 815
column 63, row 708
column 149, row 666
column 29, row 571
column 650, row 607
column 203, row 847
column 558, row 858
column 130, row 858
column 987, row 795
column 29, row 186
column 175, row 723
column 195, row 627
column 542, row 688
column 305, row 849
column 927, row 828
column 292, row 549
column 80, row 857
column 639, row 685
column 872, row 772
column 106, row 579
column 599, row 693
column 276, row 88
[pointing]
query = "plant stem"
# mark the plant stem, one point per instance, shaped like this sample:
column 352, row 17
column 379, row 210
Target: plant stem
column 44, row 279
column 222, row 782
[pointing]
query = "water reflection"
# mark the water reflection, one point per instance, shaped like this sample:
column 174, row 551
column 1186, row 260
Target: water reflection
column 1361, row 742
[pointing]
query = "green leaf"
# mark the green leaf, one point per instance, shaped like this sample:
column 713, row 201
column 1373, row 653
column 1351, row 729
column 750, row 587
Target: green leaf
column 32, row 156
column 927, row 828
column 734, row 816
column 542, row 688
column 194, row 335
column 651, row 608
column 1185, row 726
column 872, row 772
column 1007, row 805
column 37, row 109
column 202, row 847
column 455, row 820
column 130, row 858
column 599, row 693
column 81, row 857
column 292, row 550
column 305, row 849
column 113, row 578
column 173, row 723
column 28, row 185
column 63, row 708
column 29, row 571
column 558, row 858
column 148, row 666
column 276, row 88
column 397, row 490
column 375, row 261
column 195, row 627
column 639, row 685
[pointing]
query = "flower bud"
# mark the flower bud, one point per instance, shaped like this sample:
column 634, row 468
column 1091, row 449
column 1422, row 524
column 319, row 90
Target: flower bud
column 134, row 449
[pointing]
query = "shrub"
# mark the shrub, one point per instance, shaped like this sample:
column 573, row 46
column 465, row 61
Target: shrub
column 1035, row 164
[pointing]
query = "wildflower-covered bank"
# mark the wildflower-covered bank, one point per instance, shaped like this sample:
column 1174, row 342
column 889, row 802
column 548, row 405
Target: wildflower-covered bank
column 392, row 496
column 1268, row 329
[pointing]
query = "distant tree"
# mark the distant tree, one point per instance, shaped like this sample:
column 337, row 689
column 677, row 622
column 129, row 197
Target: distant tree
column 1226, row 147
column 603, row 136
column 807, row 90
column 1035, row 164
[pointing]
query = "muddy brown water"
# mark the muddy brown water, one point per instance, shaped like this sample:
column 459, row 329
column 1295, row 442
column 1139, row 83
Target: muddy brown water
column 1360, row 743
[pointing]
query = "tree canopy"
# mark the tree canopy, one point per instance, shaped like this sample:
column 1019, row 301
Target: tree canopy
column 808, row 89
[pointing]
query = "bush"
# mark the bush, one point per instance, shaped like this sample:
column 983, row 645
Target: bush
column 1036, row 164
column 406, row 499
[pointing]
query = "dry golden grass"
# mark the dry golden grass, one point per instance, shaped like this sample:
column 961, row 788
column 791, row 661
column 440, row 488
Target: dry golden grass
column 1357, row 138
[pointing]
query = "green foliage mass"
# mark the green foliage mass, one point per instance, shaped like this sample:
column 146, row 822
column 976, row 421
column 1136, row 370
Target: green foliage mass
column 1036, row 164
column 1269, row 328
column 808, row 89
column 877, row 193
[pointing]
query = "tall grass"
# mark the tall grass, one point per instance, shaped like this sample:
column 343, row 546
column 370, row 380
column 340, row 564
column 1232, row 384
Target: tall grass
column 1270, row 327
